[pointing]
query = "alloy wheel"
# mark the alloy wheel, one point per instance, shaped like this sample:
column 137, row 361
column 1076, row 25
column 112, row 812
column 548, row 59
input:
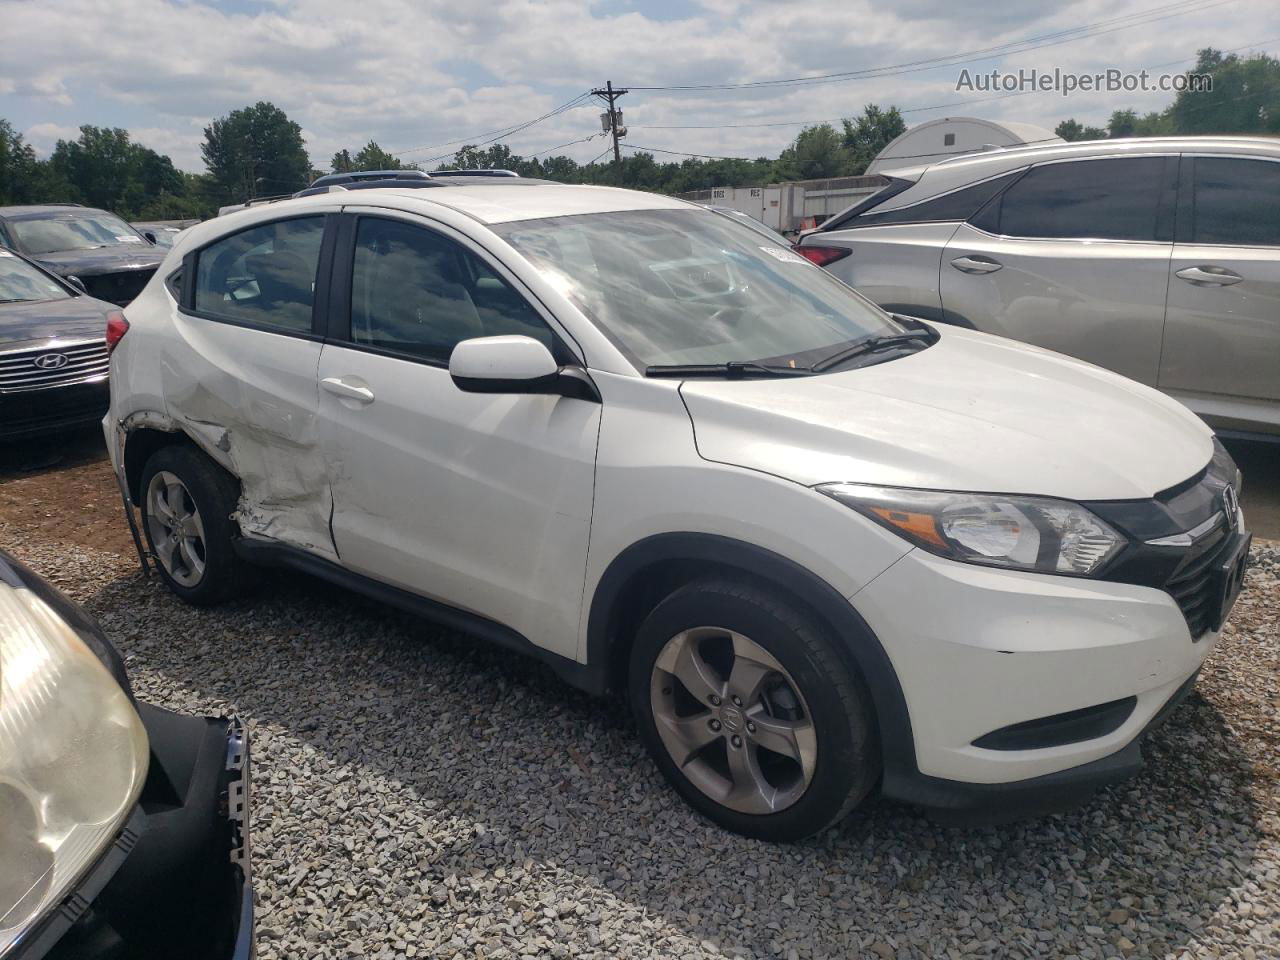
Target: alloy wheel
column 176, row 530
column 733, row 720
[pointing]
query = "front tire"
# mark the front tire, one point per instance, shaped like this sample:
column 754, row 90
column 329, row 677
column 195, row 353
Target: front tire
column 750, row 712
column 187, row 502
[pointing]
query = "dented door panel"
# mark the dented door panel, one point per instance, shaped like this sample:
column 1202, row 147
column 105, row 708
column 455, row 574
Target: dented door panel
column 252, row 396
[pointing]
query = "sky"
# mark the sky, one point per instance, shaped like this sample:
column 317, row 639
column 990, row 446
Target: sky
column 415, row 75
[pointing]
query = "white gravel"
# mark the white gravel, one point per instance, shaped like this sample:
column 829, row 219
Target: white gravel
column 417, row 794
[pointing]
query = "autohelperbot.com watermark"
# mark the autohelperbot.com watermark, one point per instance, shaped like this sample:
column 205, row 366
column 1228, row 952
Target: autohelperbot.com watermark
column 1064, row 82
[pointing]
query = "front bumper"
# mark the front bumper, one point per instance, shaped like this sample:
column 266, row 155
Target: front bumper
column 176, row 881
column 37, row 411
column 979, row 651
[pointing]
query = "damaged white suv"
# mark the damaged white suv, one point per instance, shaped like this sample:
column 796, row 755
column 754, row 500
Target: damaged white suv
column 821, row 549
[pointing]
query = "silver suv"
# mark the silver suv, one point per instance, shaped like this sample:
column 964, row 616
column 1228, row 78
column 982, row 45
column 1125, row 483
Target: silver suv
column 1157, row 258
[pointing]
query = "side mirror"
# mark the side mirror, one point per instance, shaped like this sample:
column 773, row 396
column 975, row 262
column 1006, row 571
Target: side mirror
column 151, row 237
column 77, row 283
column 515, row 364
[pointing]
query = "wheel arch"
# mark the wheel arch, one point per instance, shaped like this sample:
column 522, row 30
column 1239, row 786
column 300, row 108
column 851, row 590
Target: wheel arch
column 641, row 575
column 143, row 435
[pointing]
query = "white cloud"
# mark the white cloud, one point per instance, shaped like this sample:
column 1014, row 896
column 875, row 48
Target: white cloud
column 409, row 73
column 45, row 136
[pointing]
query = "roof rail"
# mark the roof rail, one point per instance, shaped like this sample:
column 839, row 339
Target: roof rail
column 360, row 176
column 475, row 173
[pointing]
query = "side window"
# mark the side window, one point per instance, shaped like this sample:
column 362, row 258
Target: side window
column 262, row 277
column 957, row 205
column 1112, row 199
column 1236, row 202
column 416, row 292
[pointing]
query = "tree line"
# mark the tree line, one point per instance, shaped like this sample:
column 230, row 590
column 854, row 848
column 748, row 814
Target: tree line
column 258, row 151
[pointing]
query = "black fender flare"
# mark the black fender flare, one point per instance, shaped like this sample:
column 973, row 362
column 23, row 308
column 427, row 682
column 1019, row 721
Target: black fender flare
column 857, row 638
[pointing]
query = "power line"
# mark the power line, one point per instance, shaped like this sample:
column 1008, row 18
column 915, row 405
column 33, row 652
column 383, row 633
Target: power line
column 1087, row 31
column 1256, row 45
column 607, row 149
column 681, row 153
column 500, row 133
column 561, row 146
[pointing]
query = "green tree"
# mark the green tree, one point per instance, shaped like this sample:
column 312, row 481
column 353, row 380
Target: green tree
column 103, row 167
column 1072, row 130
column 255, row 151
column 818, row 152
column 1245, row 96
column 342, row 162
column 18, row 166
column 870, row 133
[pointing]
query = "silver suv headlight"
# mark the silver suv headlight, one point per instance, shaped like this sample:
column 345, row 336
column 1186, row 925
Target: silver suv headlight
column 73, row 758
column 1039, row 534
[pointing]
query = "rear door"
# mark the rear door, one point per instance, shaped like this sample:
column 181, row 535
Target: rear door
column 239, row 368
column 1222, row 335
column 1073, row 256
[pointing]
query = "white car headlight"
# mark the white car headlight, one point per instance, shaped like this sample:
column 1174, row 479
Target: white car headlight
column 1039, row 534
column 73, row 758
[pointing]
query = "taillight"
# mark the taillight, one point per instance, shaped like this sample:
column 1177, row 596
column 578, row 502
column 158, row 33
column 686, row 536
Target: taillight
column 117, row 327
column 823, row 255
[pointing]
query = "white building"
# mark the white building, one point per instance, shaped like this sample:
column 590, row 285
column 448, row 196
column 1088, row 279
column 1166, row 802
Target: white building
column 939, row 139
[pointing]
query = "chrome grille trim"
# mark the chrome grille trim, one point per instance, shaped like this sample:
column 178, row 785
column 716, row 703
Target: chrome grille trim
column 86, row 361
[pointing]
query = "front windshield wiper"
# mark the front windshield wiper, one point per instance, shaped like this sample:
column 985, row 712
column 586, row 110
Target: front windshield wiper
column 14, row 300
column 733, row 370
column 872, row 345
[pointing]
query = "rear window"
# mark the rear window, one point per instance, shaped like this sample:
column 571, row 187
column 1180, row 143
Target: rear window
column 958, row 205
column 1236, row 201
column 1109, row 199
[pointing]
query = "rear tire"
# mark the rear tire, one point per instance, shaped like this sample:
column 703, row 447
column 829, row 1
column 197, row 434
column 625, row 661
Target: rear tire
column 796, row 750
column 187, row 502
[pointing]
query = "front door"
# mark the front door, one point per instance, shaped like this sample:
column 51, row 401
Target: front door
column 1222, row 335
column 1074, row 257
column 479, row 501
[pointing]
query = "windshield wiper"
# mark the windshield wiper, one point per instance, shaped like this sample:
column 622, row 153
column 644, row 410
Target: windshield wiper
column 872, row 345
column 733, row 370
column 14, row 300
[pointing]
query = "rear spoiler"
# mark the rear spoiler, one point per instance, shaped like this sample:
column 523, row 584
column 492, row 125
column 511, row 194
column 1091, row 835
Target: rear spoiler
column 894, row 187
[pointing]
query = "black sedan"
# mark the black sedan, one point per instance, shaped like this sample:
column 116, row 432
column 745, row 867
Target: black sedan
column 53, row 350
column 107, row 256
column 123, row 827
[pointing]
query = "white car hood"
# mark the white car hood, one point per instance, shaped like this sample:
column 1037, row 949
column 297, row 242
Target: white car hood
column 972, row 412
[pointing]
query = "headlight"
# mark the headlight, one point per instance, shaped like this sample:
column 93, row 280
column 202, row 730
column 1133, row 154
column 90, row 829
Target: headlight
column 73, row 757
column 1024, row 533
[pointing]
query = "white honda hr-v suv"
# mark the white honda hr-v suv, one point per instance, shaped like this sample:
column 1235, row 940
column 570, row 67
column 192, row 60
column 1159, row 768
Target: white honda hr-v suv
column 819, row 548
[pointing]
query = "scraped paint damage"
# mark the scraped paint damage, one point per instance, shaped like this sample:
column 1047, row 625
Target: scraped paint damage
column 271, row 446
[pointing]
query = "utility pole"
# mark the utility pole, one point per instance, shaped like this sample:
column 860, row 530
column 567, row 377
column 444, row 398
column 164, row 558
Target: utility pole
column 613, row 124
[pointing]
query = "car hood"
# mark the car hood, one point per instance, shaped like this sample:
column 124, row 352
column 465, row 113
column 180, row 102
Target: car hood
column 972, row 412
column 87, row 263
column 72, row 319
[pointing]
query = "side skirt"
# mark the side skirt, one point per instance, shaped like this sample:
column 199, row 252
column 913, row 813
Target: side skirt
column 269, row 554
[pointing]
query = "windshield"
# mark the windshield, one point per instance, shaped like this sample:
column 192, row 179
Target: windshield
column 691, row 287
column 85, row 230
column 19, row 280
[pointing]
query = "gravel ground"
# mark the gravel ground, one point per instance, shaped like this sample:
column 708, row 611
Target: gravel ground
column 417, row 794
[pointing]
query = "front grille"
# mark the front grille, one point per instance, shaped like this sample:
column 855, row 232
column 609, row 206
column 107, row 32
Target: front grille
column 1193, row 585
column 23, row 371
column 118, row 288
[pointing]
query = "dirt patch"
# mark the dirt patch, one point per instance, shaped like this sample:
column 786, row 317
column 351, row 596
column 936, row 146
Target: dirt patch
column 62, row 491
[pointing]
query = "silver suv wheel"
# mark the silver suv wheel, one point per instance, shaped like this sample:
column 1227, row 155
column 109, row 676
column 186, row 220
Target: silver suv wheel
column 733, row 720
column 175, row 528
